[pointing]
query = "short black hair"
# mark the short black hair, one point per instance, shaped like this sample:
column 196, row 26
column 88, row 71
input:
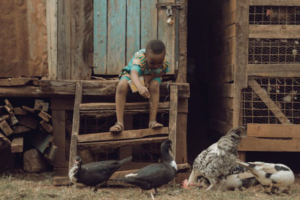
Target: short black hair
column 156, row 47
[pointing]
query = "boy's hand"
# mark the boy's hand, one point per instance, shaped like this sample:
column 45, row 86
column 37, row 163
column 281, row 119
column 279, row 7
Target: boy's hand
column 144, row 92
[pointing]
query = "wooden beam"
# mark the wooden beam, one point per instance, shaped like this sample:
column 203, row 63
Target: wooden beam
column 5, row 128
column 275, row 145
column 46, row 126
column 119, row 143
column 124, row 135
column 76, row 124
column 274, row 3
column 21, row 129
column 128, row 106
column 274, row 31
column 16, row 81
column 273, row 130
column 274, row 70
column 268, row 101
column 107, row 113
column 241, row 56
column 181, row 136
column 20, row 111
column 52, row 23
column 59, row 133
column 173, row 117
column 17, row 145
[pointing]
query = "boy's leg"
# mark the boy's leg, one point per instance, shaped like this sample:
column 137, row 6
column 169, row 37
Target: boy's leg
column 121, row 92
column 154, row 100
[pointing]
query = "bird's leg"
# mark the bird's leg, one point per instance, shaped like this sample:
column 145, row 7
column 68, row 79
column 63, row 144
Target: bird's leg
column 212, row 184
column 155, row 190
column 270, row 188
column 152, row 196
column 98, row 186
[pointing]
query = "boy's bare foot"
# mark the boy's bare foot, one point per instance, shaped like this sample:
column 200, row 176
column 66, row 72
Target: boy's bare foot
column 155, row 124
column 118, row 127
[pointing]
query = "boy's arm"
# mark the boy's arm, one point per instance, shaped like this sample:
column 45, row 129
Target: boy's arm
column 149, row 77
column 142, row 89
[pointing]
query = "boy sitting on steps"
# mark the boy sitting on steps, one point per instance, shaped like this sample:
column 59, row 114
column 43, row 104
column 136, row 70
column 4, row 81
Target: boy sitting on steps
column 151, row 63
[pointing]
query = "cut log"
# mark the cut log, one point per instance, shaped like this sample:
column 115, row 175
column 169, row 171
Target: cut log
column 20, row 111
column 38, row 104
column 50, row 153
column 45, row 116
column 28, row 121
column 11, row 108
column 34, row 161
column 17, row 145
column 20, row 129
column 4, row 117
column 13, row 118
column 28, row 109
column 39, row 140
column 46, row 126
column 5, row 139
column 6, row 128
column 130, row 134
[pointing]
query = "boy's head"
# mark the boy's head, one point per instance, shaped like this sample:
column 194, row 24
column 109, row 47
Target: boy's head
column 155, row 53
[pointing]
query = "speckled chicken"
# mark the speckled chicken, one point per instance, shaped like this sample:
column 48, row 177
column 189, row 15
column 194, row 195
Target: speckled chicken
column 218, row 160
column 279, row 176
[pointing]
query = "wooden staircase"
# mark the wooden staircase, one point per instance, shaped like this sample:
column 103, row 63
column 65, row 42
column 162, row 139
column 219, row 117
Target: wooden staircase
column 127, row 137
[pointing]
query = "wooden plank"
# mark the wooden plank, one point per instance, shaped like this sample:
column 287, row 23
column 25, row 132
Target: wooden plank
column 29, row 121
column 274, row 70
column 51, row 17
column 128, row 106
column 126, row 151
column 39, row 140
column 130, row 134
column 51, row 153
column 219, row 126
column 16, row 81
column 46, row 126
column 274, row 3
column 222, row 115
column 20, row 129
column 133, row 28
column 100, row 36
column 4, row 117
column 269, row 103
column 182, row 43
column 28, row 109
column 63, row 39
column 173, row 117
column 274, row 31
column 241, row 56
column 148, row 22
column 59, row 133
column 273, row 130
column 45, row 116
column 166, row 33
column 272, row 145
column 17, row 145
column 116, row 32
column 119, row 143
column 76, row 124
column 6, row 128
column 107, row 113
column 20, row 111
column 41, row 105
column 181, row 136
column 223, row 59
column 5, row 139
column 228, row 33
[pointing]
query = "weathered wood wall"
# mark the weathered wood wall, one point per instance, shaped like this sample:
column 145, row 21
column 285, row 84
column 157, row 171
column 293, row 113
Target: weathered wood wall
column 23, row 38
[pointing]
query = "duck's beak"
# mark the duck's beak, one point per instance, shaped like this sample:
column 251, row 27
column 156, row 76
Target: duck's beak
column 171, row 149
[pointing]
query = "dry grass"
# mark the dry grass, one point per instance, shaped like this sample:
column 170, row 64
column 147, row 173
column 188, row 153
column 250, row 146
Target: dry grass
column 39, row 186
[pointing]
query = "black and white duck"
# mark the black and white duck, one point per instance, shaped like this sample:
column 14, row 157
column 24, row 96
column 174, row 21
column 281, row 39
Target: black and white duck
column 155, row 175
column 96, row 173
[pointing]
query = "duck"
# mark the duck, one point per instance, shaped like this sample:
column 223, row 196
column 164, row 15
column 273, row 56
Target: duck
column 155, row 175
column 278, row 177
column 95, row 173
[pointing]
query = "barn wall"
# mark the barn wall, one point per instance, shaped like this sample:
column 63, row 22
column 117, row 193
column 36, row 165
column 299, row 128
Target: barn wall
column 23, row 38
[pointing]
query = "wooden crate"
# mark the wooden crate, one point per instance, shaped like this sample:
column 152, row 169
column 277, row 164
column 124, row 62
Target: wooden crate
column 256, row 68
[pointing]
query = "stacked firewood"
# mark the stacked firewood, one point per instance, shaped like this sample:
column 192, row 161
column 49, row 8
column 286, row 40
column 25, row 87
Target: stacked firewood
column 27, row 127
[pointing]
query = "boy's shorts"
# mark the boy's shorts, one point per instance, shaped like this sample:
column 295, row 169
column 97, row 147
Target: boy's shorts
column 158, row 79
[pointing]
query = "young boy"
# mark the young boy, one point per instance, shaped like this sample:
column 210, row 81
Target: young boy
column 151, row 63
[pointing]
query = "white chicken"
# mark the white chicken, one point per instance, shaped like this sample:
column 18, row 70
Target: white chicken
column 218, row 160
column 270, row 174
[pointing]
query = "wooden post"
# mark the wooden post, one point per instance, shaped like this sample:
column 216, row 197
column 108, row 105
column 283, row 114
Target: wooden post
column 173, row 117
column 59, row 133
column 76, row 124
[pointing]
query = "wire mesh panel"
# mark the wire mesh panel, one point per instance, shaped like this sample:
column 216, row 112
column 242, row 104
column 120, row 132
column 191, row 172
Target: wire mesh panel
column 274, row 15
column 274, row 51
column 284, row 92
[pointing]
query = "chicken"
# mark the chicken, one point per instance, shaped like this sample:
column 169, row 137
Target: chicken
column 292, row 95
column 239, row 178
column 218, row 160
column 278, row 16
column 269, row 174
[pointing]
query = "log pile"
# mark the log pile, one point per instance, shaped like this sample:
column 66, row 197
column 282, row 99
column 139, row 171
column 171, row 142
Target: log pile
column 23, row 128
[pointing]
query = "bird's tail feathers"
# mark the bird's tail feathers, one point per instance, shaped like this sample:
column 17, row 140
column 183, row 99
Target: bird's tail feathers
column 240, row 162
column 125, row 160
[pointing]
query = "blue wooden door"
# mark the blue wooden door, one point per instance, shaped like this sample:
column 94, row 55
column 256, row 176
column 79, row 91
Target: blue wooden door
column 122, row 27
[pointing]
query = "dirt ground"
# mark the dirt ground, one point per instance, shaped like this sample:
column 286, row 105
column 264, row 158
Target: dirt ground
column 39, row 186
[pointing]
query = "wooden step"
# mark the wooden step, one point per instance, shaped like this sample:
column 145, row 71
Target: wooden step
column 128, row 106
column 108, row 113
column 125, row 135
column 119, row 143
